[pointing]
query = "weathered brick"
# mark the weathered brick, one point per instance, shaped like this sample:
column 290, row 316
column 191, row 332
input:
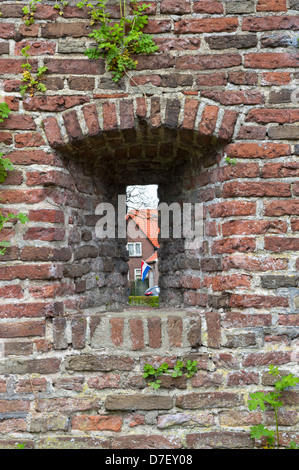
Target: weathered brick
column 138, row 402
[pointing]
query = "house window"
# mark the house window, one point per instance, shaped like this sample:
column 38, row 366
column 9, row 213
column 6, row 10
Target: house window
column 135, row 249
column 137, row 274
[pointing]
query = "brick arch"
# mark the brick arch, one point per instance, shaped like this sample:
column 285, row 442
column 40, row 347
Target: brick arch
column 187, row 113
column 178, row 138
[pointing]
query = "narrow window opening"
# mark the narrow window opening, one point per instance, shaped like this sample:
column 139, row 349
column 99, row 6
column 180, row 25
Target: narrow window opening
column 142, row 243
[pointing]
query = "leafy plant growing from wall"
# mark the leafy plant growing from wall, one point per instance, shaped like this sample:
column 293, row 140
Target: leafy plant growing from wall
column 5, row 166
column 29, row 12
column 118, row 42
column 189, row 368
column 31, row 83
column 60, row 5
column 272, row 399
column 4, row 111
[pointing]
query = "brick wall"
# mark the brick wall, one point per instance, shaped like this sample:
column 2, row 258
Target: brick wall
column 220, row 86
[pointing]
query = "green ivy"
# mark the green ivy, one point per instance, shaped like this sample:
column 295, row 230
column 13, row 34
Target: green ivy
column 119, row 42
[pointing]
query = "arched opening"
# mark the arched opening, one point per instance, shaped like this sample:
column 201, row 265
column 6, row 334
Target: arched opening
column 100, row 168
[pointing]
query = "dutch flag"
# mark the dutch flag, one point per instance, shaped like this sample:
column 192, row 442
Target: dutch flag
column 144, row 270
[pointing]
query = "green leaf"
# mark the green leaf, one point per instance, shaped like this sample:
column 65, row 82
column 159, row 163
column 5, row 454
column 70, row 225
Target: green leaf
column 258, row 431
column 257, row 399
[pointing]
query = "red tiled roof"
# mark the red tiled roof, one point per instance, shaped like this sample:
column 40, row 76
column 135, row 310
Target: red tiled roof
column 152, row 258
column 147, row 221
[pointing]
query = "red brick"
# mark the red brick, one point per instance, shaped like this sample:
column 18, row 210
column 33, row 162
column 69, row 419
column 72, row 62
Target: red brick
column 46, row 215
column 74, row 66
column 227, row 126
column 190, row 113
column 257, row 150
column 269, row 23
column 267, row 358
column 37, row 48
column 279, row 208
column 175, row 331
column 53, row 103
column 208, row 120
column 175, row 7
column 257, row 301
column 213, row 79
column 195, row 298
column 295, row 225
column 154, row 332
column 252, row 264
column 281, row 116
column 22, row 329
column 186, row 43
column 45, row 234
column 232, row 208
column 271, row 5
column 11, row 291
column 280, row 244
column 235, row 244
column 109, row 116
column 208, row 6
column 117, row 327
column 31, row 310
column 275, row 78
column 7, row 30
column 29, row 31
column 221, row 283
column 158, row 26
column 52, row 131
column 213, row 329
column 232, row 97
column 136, row 334
column 205, row 62
column 280, row 170
column 91, row 119
column 18, row 122
column 6, row 138
column 243, row 320
column 72, row 126
column 256, row 189
column 206, row 25
column 10, row 406
column 15, row 196
column 253, row 227
column 27, row 271
column 29, row 139
column 271, row 60
column 97, row 423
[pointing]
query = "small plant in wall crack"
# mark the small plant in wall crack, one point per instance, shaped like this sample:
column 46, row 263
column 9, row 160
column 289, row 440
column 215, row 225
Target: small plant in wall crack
column 31, row 83
column 4, row 111
column 29, row 12
column 179, row 369
column 60, row 5
column 5, row 166
column 272, row 399
column 118, row 42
